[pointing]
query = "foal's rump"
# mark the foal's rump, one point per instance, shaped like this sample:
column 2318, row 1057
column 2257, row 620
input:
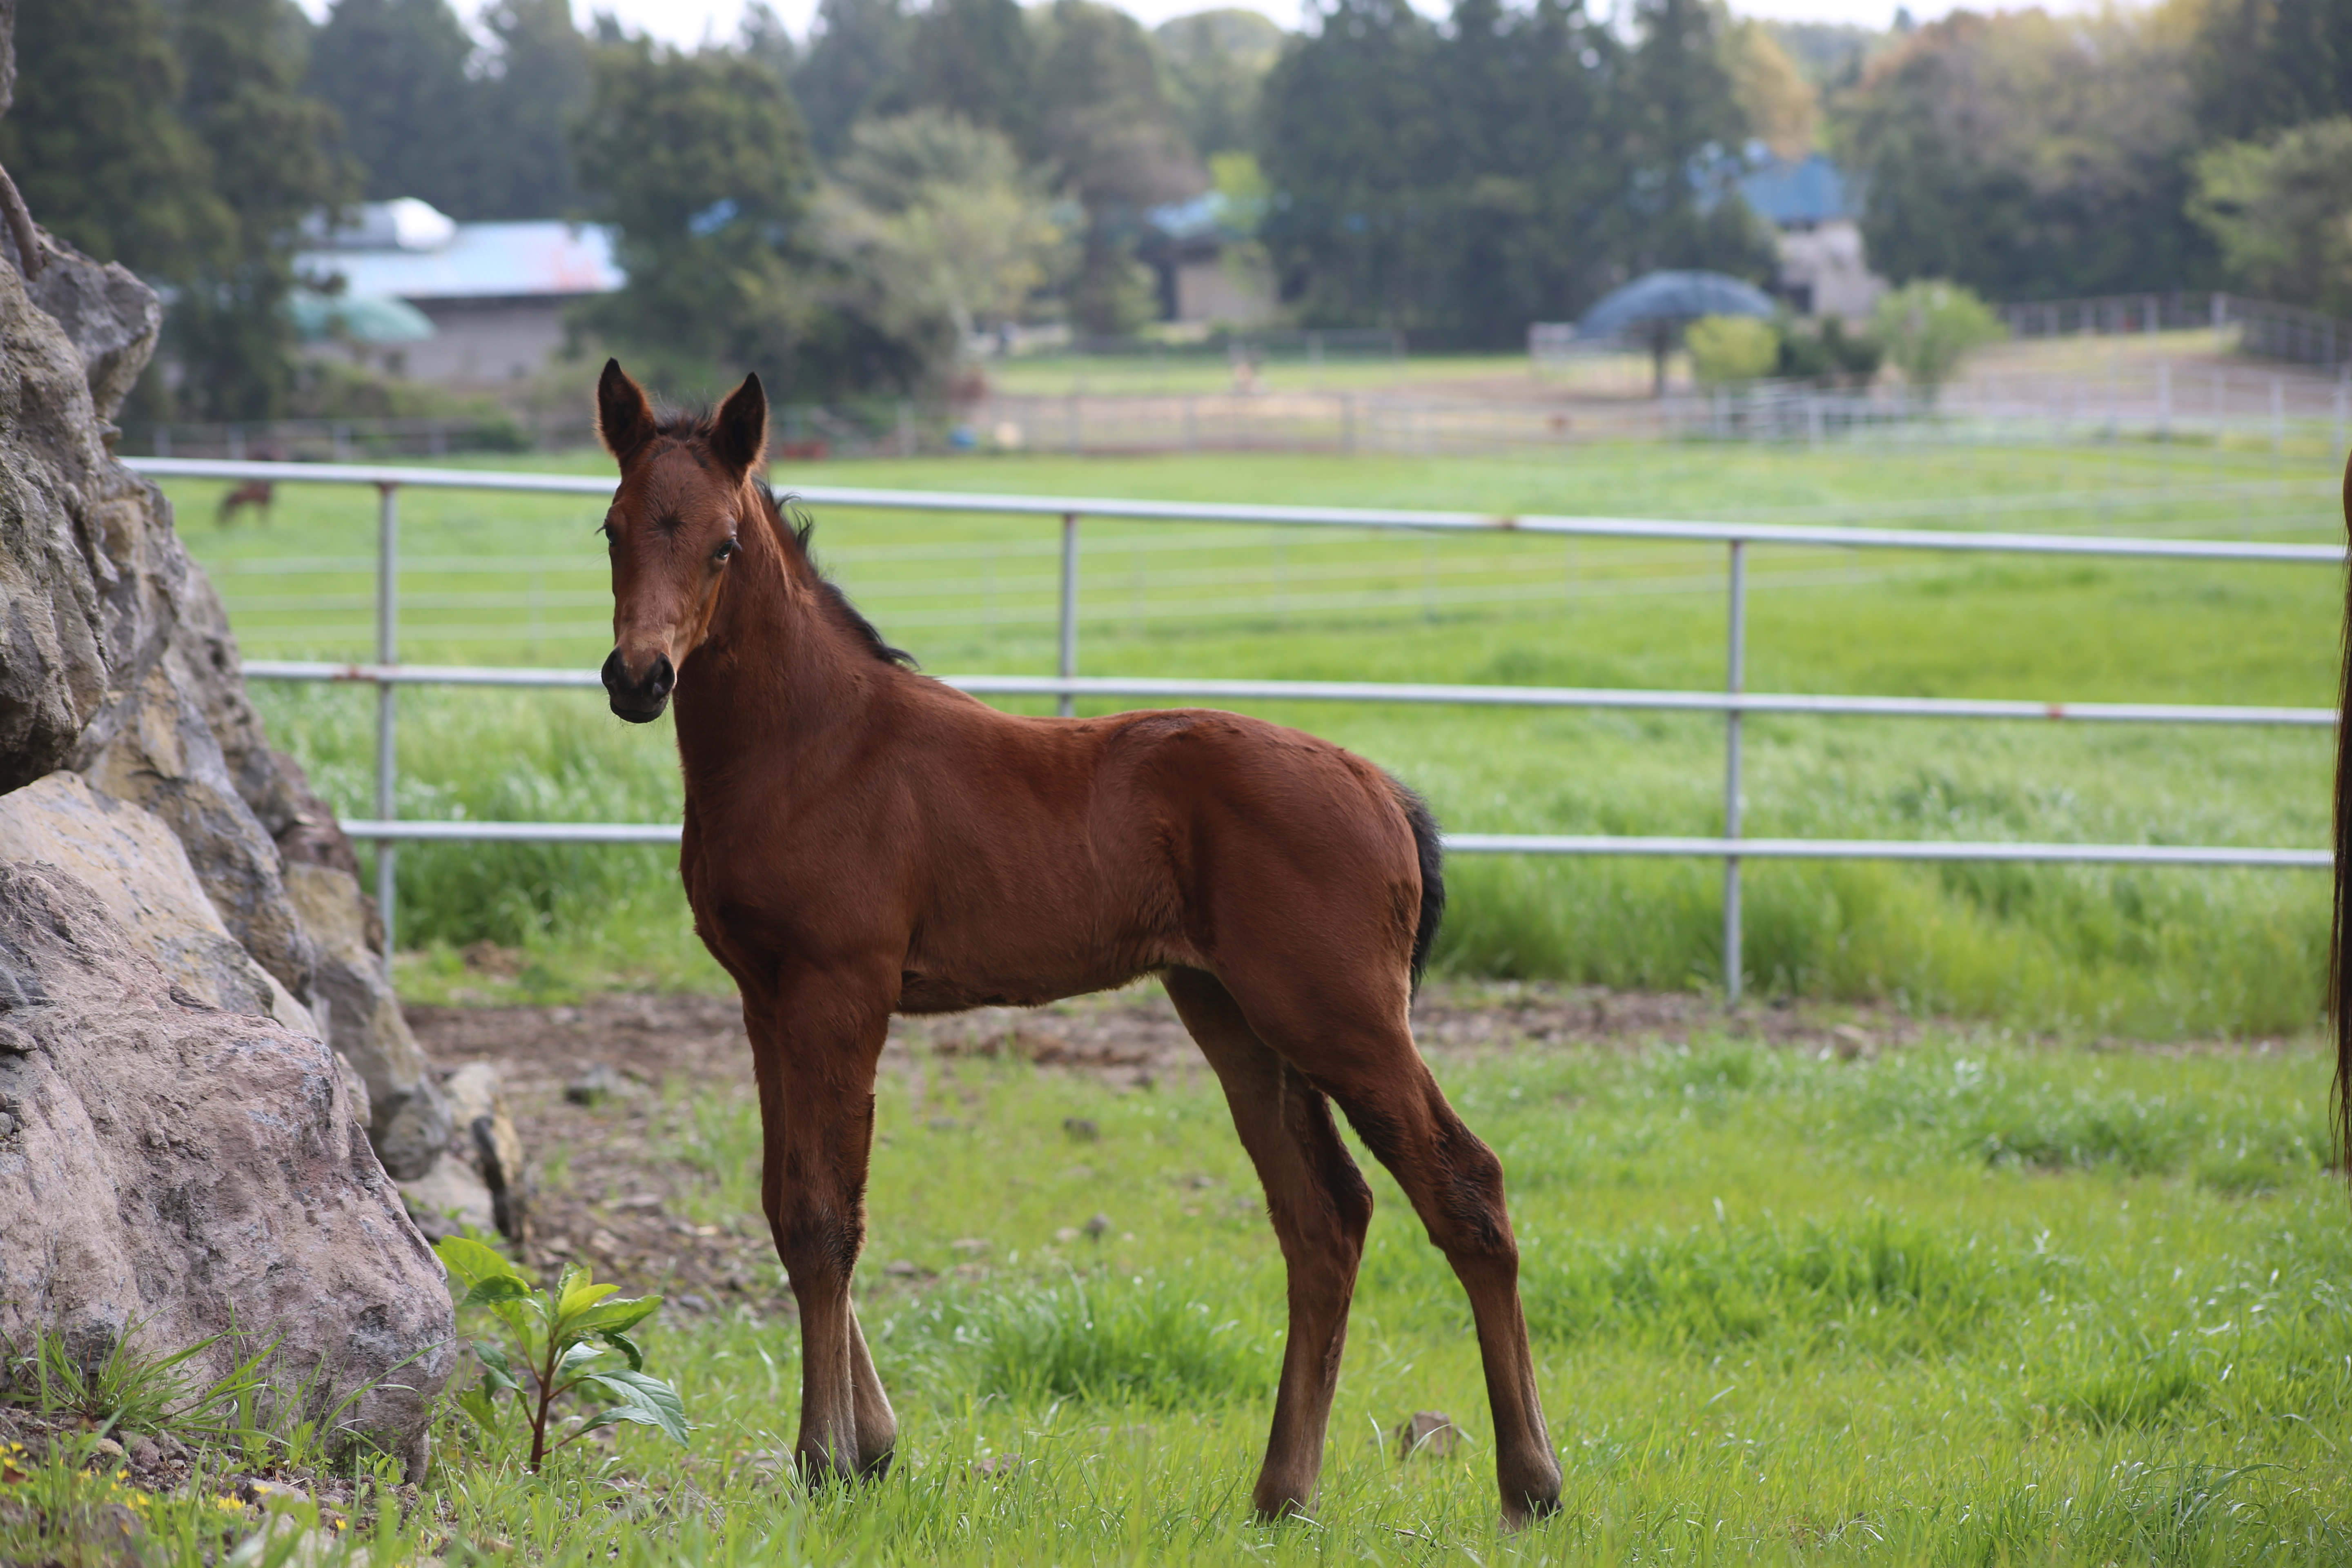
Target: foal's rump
column 1273, row 852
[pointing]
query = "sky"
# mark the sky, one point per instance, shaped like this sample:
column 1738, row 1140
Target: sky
column 688, row 22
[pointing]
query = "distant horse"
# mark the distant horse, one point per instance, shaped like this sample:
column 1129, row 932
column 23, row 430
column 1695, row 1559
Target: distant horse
column 861, row 840
column 259, row 494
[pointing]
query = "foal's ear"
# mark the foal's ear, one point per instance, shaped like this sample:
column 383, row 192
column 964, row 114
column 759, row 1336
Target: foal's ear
column 739, row 434
column 624, row 419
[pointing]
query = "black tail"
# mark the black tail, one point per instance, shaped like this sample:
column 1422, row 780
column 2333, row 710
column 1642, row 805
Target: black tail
column 2339, row 1015
column 1431, row 852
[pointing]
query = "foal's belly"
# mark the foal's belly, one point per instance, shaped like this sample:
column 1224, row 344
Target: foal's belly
column 1023, row 959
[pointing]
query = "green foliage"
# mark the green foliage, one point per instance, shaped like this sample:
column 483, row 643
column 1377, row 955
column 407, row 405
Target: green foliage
column 2260, row 66
column 940, row 220
column 2028, row 155
column 269, row 148
column 2282, row 213
column 1215, row 63
column 1462, row 182
column 178, row 142
column 1827, row 355
column 94, row 143
column 857, row 65
column 121, row 1387
column 1727, row 349
column 570, row 1337
column 1929, row 328
column 701, row 161
column 480, row 132
column 1113, row 140
column 396, row 71
column 976, row 60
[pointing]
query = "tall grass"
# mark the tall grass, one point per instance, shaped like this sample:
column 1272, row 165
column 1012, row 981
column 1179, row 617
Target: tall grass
column 2133, row 951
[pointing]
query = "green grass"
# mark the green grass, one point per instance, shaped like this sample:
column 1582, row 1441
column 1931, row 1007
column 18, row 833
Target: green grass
column 1965, row 1303
column 2156, row 953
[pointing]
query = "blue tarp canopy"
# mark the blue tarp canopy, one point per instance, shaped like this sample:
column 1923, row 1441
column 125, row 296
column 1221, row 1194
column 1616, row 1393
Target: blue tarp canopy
column 1672, row 297
column 362, row 319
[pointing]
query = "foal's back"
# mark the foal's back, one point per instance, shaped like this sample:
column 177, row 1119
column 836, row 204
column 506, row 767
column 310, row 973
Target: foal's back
column 1060, row 856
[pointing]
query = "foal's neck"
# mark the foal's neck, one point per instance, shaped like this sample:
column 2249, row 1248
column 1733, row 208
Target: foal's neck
column 779, row 668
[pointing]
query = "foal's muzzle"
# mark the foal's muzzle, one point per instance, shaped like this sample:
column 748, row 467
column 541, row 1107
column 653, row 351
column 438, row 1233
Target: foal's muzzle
column 639, row 702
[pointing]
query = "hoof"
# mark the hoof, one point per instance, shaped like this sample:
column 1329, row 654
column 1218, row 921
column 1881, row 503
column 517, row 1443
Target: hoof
column 1272, row 1504
column 1533, row 1507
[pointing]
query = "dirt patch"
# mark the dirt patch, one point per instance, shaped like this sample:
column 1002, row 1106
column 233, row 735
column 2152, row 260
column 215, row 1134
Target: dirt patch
column 617, row 1208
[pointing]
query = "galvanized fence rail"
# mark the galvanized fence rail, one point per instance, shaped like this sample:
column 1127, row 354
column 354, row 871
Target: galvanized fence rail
column 387, row 831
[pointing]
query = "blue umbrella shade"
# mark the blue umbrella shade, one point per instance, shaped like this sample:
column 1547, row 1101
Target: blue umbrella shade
column 1672, row 297
column 360, row 319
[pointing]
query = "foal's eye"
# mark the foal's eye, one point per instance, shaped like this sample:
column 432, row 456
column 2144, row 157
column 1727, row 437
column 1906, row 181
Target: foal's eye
column 726, row 547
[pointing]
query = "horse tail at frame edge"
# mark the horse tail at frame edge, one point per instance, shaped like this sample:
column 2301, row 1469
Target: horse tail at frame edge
column 2340, row 1006
column 1429, row 847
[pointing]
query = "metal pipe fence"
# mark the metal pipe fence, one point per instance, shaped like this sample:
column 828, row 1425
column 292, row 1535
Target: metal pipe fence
column 1734, row 702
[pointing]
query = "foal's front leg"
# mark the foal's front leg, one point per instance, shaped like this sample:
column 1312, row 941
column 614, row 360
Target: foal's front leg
column 814, row 1044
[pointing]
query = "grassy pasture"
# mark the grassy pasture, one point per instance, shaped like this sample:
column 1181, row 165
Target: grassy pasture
column 1962, row 1303
column 519, row 580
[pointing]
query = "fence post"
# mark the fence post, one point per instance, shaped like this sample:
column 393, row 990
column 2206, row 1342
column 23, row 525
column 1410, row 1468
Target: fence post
column 1069, row 661
column 1736, row 680
column 387, row 651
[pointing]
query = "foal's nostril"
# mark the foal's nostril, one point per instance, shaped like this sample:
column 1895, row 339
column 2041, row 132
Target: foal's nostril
column 615, row 673
column 663, row 677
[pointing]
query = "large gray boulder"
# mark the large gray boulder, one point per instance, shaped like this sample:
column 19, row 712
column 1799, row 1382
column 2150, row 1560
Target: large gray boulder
column 144, row 876
column 410, row 1123
column 173, row 1169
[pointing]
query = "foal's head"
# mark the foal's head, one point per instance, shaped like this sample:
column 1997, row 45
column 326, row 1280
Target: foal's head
column 683, row 500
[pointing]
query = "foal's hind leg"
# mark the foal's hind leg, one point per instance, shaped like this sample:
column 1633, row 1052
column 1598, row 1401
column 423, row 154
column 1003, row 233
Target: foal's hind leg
column 1359, row 1048
column 1320, row 1206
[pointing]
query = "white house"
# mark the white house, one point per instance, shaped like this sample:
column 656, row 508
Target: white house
column 1823, row 271
column 494, row 292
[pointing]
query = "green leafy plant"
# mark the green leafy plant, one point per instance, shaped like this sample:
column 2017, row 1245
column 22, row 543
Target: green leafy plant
column 566, row 1339
column 1731, row 349
column 130, row 1389
column 1929, row 328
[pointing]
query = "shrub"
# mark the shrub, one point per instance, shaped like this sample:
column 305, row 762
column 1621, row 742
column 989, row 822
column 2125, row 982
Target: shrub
column 1929, row 328
column 1731, row 349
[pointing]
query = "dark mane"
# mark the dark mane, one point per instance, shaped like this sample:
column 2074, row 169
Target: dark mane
column 799, row 527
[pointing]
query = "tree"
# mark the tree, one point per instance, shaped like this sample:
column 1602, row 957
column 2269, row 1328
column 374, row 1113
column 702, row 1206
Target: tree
column 272, row 153
column 1781, row 106
column 396, row 70
column 2262, row 65
column 857, row 65
column 1215, row 62
column 702, row 161
column 763, row 36
column 94, row 139
column 2028, row 156
column 1461, row 183
column 175, row 141
column 938, row 217
column 536, row 85
column 1113, row 140
column 2282, row 213
column 975, row 59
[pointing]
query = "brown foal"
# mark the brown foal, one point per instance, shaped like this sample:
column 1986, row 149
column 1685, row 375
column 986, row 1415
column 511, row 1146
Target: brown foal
column 861, row 840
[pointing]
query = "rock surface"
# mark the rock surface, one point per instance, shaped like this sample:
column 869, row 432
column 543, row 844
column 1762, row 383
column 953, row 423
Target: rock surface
column 409, row 1123
column 176, row 1168
column 144, row 876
